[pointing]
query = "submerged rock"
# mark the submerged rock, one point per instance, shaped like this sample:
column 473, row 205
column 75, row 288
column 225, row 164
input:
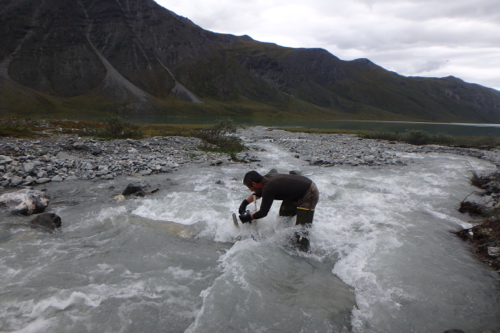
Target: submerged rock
column 133, row 189
column 47, row 220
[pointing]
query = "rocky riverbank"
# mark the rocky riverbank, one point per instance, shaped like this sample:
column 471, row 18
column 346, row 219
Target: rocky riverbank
column 343, row 149
column 25, row 162
column 485, row 204
column 62, row 158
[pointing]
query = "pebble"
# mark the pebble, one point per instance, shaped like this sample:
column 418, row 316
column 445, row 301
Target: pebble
column 330, row 150
column 62, row 158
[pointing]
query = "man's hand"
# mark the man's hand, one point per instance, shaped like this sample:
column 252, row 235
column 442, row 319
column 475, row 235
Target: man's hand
column 243, row 207
column 244, row 218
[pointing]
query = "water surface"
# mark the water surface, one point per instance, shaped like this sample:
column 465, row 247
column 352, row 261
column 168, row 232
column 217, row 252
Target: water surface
column 383, row 258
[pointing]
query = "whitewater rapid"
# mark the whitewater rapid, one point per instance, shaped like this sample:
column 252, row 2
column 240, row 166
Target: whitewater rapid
column 383, row 258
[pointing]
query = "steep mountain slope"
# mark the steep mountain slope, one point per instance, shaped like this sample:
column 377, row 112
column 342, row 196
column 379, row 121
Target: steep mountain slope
column 89, row 57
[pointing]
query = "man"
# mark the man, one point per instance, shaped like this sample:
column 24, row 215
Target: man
column 299, row 194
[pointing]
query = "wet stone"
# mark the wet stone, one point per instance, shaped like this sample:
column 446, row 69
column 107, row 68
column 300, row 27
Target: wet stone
column 15, row 181
column 57, row 179
column 66, row 157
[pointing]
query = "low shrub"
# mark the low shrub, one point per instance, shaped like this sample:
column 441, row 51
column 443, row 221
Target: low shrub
column 389, row 136
column 444, row 139
column 417, row 137
column 117, row 127
column 218, row 138
column 19, row 127
column 486, row 141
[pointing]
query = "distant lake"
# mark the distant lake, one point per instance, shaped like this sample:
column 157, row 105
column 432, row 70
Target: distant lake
column 379, row 126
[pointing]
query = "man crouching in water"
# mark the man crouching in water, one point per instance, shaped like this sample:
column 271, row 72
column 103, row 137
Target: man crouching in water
column 299, row 194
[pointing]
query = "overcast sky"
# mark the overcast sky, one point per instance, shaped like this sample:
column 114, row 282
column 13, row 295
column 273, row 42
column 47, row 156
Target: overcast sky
column 433, row 38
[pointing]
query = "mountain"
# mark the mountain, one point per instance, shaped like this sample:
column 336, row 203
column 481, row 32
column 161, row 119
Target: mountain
column 89, row 57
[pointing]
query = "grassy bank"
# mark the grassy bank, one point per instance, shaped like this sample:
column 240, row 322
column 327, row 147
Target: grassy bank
column 323, row 130
column 216, row 138
column 418, row 137
column 414, row 137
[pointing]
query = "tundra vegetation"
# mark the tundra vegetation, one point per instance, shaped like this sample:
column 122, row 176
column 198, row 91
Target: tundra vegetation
column 218, row 137
column 414, row 137
column 419, row 137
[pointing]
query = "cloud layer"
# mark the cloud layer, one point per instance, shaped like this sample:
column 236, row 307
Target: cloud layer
column 411, row 37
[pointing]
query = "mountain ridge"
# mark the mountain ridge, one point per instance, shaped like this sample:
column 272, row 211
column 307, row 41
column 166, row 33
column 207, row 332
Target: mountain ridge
column 64, row 57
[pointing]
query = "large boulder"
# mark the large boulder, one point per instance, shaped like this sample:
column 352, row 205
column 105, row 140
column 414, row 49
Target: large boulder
column 25, row 202
column 139, row 190
column 47, row 220
column 135, row 189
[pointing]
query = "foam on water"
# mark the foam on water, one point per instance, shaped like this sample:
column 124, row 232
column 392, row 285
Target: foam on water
column 382, row 259
column 391, row 233
column 386, row 230
column 263, row 288
column 102, row 273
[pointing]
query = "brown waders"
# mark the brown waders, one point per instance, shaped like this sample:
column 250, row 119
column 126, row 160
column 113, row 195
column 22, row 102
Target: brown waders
column 304, row 210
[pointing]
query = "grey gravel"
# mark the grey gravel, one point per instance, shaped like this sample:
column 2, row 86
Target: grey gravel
column 330, row 150
column 60, row 158
column 25, row 162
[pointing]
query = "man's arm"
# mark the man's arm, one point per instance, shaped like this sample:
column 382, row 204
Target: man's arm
column 252, row 196
column 265, row 206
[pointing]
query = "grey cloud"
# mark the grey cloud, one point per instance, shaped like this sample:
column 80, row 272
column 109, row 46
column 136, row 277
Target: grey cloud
column 411, row 37
column 428, row 66
column 403, row 34
column 424, row 10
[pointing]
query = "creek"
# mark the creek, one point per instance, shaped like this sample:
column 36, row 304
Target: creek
column 383, row 258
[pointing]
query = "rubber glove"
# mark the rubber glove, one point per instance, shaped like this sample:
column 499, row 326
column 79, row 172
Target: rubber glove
column 244, row 218
column 243, row 207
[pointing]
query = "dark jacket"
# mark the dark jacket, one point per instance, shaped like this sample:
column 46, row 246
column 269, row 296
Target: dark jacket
column 276, row 186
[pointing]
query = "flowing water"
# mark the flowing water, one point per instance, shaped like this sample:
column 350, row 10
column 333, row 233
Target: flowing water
column 382, row 258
